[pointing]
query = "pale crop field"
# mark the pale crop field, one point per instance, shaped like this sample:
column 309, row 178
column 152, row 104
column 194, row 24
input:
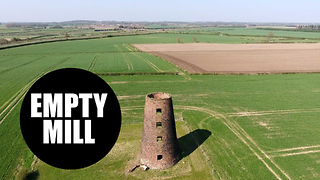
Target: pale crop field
column 239, row 58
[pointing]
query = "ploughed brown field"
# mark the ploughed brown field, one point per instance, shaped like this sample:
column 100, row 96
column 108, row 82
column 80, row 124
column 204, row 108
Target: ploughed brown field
column 239, row 58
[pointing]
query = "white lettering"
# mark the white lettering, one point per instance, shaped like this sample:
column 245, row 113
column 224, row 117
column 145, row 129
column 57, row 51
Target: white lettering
column 76, row 132
column 87, row 131
column 35, row 105
column 55, row 132
column 85, row 103
column 100, row 103
column 71, row 101
column 67, row 131
column 52, row 106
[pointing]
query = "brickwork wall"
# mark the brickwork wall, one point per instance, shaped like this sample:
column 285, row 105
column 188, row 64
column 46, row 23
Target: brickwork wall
column 159, row 146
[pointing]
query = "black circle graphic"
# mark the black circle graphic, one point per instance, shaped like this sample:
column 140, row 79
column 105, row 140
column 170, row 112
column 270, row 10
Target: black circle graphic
column 70, row 118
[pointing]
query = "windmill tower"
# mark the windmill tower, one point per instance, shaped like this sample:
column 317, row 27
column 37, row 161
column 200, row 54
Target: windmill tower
column 159, row 146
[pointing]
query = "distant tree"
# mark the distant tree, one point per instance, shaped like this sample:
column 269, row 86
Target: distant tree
column 270, row 35
column 195, row 39
column 15, row 39
column 179, row 40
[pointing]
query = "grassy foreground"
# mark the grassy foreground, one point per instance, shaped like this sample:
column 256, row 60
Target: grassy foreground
column 240, row 127
column 258, row 126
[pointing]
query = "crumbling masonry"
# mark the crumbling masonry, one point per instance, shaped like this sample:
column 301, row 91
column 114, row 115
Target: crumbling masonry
column 159, row 146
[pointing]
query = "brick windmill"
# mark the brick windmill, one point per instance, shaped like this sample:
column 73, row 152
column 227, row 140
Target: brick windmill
column 159, row 147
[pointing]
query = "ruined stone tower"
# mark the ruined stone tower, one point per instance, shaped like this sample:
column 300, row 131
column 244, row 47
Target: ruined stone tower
column 159, row 146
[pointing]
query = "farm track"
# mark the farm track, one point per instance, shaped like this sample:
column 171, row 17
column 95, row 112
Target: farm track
column 295, row 151
column 242, row 135
column 245, row 138
column 128, row 62
column 295, row 148
column 148, row 62
column 273, row 112
column 19, row 96
column 128, row 47
column 11, row 103
column 93, row 63
column 203, row 152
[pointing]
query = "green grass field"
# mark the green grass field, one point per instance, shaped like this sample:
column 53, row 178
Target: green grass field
column 259, row 35
column 246, row 126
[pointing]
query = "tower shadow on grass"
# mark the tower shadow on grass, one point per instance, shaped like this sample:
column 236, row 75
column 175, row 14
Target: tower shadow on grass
column 32, row 176
column 190, row 142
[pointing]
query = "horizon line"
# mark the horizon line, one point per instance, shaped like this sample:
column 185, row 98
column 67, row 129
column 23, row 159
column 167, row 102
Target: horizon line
column 164, row 21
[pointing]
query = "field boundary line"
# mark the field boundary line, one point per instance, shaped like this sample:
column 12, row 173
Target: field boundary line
column 9, row 46
column 64, row 53
column 132, row 108
column 189, row 67
column 136, row 73
column 126, row 82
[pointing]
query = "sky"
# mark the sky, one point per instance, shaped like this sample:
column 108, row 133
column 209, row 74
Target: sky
column 303, row 11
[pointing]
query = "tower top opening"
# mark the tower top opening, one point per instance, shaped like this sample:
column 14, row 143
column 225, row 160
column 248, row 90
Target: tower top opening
column 159, row 96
